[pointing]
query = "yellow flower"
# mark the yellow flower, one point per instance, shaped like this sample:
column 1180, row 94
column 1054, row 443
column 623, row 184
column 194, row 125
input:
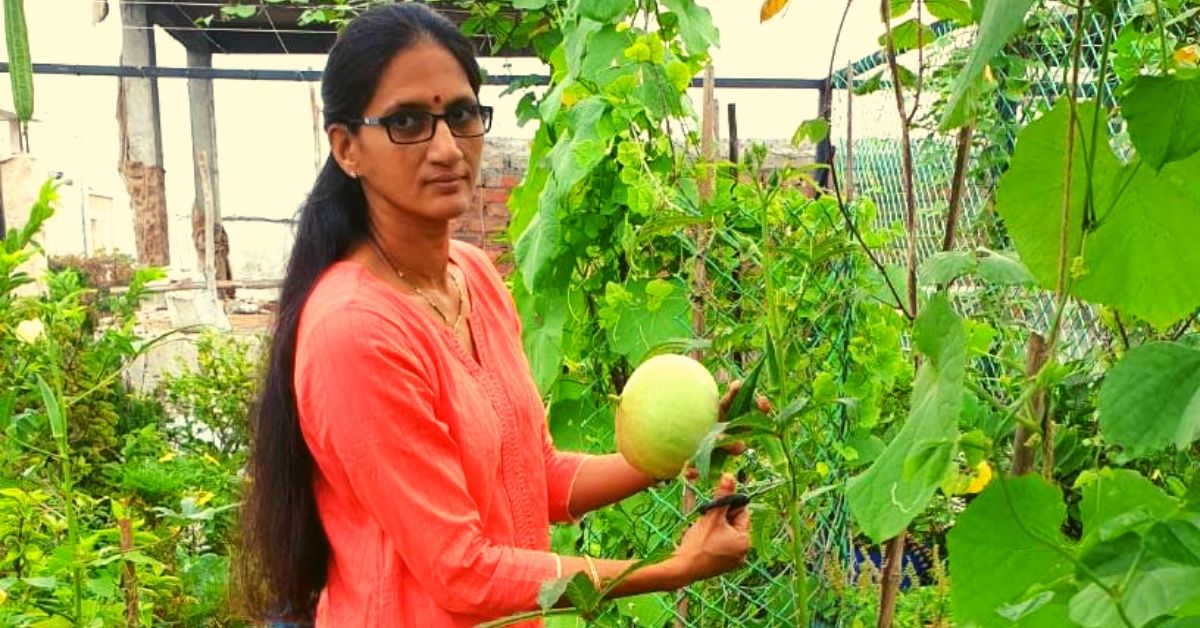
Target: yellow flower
column 983, row 475
column 1188, row 55
column 30, row 331
column 167, row 457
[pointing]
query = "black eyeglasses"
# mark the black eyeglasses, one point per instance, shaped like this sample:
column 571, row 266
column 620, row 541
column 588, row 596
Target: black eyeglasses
column 414, row 126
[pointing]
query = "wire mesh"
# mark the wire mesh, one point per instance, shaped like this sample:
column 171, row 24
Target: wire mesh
column 867, row 152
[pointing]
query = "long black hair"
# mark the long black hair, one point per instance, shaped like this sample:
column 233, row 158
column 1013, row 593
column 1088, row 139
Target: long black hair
column 284, row 553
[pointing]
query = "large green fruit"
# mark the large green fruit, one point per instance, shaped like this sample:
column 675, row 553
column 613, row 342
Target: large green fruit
column 667, row 407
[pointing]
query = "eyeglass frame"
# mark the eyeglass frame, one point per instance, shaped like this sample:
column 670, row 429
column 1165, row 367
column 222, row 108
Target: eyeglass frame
column 485, row 112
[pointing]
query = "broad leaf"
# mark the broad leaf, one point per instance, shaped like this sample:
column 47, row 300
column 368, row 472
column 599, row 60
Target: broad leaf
column 884, row 499
column 1163, row 117
column 538, row 249
column 604, row 11
column 945, row 266
column 1156, row 589
column 999, row 22
column 955, row 10
column 1002, row 270
column 909, row 35
column 899, row 7
column 1139, row 256
column 1113, row 493
column 1176, row 539
column 543, row 316
column 646, row 321
column 814, row 130
column 695, row 25
column 996, row 562
column 1151, row 398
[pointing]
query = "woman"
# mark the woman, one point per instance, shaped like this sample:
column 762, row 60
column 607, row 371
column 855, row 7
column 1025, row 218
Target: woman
column 402, row 473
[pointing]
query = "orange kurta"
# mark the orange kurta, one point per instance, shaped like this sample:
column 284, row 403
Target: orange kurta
column 436, row 479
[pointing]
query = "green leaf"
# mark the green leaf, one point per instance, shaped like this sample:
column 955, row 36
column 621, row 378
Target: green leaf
column 814, row 131
column 899, row 7
column 882, row 499
column 529, row 5
column 41, row 583
column 744, row 400
column 1116, row 492
column 551, row 591
column 945, row 266
column 909, row 35
column 604, row 11
column 955, row 10
column 538, row 250
column 998, row 23
column 995, row 560
column 20, row 62
column 1151, row 398
column 1176, row 539
column 583, row 594
column 649, row 321
column 1003, row 270
column 58, row 424
column 1163, row 117
column 1139, row 255
column 1155, row 590
column 650, row 609
column 238, row 11
column 695, row 25
column 543, row 317
column 704, row 452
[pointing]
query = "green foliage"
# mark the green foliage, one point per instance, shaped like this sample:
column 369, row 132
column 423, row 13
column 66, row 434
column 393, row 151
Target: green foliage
column 1151, row 398
column 1164, row 122
column 1110, row 204
column 1004, row 545
column 904, row 478
column 997, row 24
column 102, row 518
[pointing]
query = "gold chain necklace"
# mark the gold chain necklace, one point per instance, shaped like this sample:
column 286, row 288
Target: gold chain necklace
column 421, row 293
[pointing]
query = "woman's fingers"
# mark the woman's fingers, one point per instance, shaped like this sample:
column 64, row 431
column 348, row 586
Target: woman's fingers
column 727, row 398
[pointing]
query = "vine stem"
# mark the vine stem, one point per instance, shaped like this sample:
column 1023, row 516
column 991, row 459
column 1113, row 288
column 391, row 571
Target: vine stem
column 1162, row 32
column 1064, row 552
column 895, row 547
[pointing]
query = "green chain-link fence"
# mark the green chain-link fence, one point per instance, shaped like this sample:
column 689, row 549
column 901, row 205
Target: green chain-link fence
column 1030, row 77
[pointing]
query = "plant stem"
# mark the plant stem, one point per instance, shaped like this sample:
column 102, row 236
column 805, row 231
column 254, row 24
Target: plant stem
column 68, row 489
column 800, row 577
column 895, row 548
column 962, row 155
column 1162, row 33
column 887, row 280
column 1080, row 566
column 522, row 617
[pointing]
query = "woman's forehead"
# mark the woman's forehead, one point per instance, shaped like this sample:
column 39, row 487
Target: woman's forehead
column 423, row 75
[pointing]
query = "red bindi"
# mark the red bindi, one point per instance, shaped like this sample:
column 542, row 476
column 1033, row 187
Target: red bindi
column 437, row 100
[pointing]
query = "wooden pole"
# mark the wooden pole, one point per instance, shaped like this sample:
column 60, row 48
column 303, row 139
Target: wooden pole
column 708, row 155
column 141, row 139
column 210, row 236
column 1035, row 359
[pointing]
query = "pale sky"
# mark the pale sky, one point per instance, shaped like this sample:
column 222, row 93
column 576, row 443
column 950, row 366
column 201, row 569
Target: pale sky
column 265, row 133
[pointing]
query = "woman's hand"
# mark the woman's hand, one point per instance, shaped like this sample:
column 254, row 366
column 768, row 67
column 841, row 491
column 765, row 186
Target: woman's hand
column 718, row 542
column 737, row 447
